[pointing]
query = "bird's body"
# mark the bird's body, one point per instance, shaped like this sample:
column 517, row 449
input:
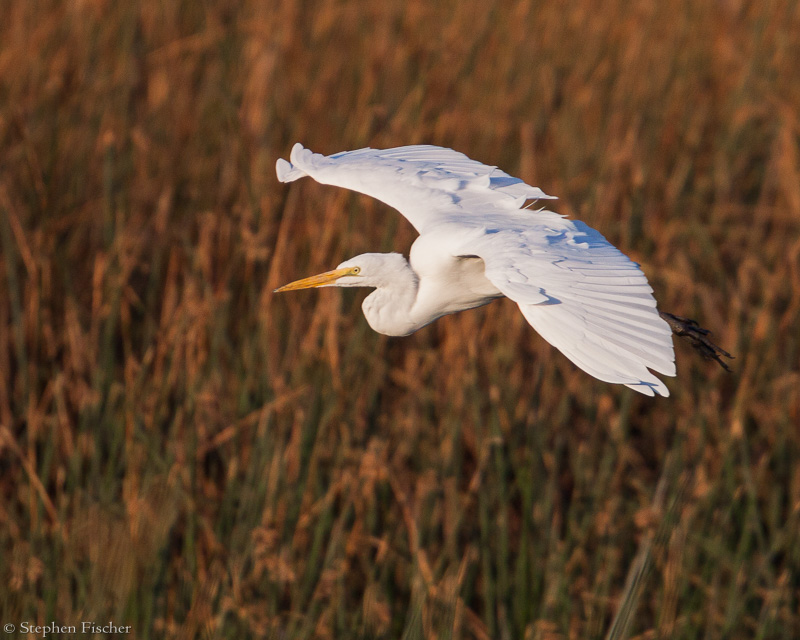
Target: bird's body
column 479, row 242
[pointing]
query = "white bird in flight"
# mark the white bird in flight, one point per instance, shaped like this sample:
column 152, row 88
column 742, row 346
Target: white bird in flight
column 479, row 241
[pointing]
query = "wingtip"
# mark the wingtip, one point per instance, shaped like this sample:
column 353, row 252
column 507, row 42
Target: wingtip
column 298, row 152
column 650, row 389
column 283, row 169
column 288, row 171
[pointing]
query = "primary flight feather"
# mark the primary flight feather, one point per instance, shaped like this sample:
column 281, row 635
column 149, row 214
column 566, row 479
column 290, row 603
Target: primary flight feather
column 479, row 241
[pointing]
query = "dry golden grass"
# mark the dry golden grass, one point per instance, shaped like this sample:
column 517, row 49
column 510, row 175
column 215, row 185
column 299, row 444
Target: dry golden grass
column 184, row 452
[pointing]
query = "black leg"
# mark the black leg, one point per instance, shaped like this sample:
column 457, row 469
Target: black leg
column 697, row 336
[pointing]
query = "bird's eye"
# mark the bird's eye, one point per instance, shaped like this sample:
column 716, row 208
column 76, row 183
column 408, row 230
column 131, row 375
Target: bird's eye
column 356, row 271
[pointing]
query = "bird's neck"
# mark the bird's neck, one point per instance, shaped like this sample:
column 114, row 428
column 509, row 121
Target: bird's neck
column 390, row 308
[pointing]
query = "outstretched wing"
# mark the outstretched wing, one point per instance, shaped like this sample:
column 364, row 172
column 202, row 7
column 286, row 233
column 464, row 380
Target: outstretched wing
column 583, row 296
column 427, row 184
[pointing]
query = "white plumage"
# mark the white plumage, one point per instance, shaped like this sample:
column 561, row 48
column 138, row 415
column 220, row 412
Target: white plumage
column 478, row 241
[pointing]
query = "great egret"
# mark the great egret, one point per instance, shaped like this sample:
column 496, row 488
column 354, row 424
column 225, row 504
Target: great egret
column 479, row 241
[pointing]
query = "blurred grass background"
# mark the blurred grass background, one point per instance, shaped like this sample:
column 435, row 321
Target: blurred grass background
column 184, row 452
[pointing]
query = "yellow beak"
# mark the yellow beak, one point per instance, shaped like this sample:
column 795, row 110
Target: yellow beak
column 329, row 277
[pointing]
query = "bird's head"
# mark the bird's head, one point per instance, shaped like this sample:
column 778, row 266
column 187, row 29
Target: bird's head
column 366, row 270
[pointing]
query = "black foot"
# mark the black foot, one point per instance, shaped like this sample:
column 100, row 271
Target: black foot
column 686, row 328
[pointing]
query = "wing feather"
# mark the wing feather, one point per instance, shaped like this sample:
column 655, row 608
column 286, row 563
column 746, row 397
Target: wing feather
column 583, row 296
column 426, row 184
